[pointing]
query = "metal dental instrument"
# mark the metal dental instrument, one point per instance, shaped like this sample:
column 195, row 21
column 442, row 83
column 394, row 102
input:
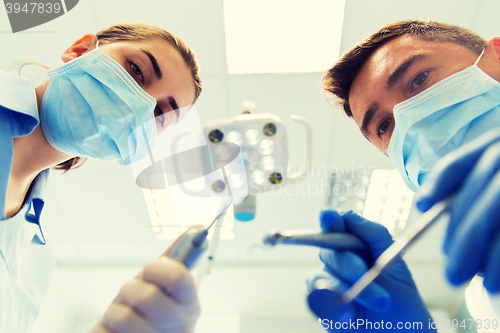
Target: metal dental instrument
column 394, row 251
column 194, row 243
column 334, row 241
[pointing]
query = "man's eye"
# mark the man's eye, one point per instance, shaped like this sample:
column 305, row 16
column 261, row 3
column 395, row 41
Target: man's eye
column 136, row 70
column 383, row 127
column 419, row 80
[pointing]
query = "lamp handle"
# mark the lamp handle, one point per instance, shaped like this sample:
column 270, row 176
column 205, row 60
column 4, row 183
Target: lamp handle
column 304, row 169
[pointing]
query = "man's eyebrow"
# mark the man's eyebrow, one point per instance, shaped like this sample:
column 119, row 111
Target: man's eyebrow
column 367, row 118
column 156, row 68
column 402, row 68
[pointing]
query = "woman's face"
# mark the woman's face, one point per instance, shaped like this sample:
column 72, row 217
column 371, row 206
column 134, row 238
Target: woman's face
column 161, row 71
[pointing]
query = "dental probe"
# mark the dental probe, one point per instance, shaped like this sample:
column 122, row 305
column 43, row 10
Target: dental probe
column 334, row 241
column 394, row 251
column 193, row 244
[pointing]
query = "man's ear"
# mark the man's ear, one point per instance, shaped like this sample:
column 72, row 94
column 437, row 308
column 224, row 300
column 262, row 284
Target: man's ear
column 81, row 46
column 493, row 48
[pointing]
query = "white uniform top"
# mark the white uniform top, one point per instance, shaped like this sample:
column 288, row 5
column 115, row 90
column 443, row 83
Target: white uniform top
column 483, row 306
column 26, row 255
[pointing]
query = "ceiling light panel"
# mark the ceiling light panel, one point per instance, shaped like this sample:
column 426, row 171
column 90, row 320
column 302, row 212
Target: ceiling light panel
column 282, row 36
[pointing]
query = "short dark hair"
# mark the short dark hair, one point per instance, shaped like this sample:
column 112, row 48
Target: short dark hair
column 339, row 78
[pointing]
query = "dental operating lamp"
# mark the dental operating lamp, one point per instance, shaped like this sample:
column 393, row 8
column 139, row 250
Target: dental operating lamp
column 262, row 139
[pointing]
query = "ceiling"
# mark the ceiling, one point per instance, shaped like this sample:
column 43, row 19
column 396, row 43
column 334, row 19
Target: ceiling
column 97, row 217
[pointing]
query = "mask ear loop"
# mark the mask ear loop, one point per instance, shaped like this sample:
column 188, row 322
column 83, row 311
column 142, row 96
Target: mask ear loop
column 479, row 58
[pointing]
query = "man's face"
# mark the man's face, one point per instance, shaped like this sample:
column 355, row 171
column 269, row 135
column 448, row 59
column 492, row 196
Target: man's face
column 398, row 70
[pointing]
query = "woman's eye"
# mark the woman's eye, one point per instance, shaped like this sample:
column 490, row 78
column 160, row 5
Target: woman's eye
column 159, row 115
column 383, row 127
column 419, row 80
column 136, row 70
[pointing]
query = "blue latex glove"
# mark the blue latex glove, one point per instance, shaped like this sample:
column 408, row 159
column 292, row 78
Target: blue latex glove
column 393, row 297
column 472, row 241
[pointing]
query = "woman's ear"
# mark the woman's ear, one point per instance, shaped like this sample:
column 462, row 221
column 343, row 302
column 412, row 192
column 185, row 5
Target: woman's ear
column 81, row 46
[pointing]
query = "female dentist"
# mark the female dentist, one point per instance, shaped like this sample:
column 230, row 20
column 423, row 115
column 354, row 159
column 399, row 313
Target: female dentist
column 125, row 77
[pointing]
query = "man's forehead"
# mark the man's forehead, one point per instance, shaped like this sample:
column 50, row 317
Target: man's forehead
column 381, row 64
column 397, row 50
column 400, row 48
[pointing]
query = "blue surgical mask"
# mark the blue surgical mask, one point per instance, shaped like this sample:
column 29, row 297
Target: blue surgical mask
column 93, row 108
column 440, row 119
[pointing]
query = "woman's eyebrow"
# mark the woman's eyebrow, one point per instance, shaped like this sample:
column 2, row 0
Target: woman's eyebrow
column 156, row 68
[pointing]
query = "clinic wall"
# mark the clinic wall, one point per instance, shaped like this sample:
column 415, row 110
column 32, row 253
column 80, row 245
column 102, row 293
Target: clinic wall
column 57, row 314
column 364, row 17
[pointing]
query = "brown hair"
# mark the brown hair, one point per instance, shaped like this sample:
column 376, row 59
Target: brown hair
column 137, row 32
column 339, row 78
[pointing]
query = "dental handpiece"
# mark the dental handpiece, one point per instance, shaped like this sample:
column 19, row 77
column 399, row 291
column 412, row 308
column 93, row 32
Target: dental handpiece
column 190, row 247
column 333, row 241
column 193, row 244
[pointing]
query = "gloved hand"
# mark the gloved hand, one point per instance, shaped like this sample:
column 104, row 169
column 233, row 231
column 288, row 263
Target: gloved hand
column 472, row 241
column 162, row 298
column 392, row 298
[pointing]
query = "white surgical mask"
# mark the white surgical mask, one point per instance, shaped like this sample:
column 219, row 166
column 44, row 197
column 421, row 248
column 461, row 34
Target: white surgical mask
column 440, row 119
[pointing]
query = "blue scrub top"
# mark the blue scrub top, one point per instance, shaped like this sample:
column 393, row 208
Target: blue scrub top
column 26, row 255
